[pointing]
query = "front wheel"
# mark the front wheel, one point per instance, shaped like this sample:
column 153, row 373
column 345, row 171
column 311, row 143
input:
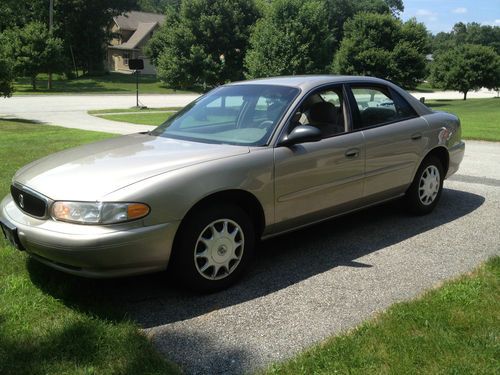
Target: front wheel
column 214, row 247
column 425, row 190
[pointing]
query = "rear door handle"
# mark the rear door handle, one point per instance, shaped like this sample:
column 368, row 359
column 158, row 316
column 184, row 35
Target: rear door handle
column 416, row 136
column 352, row 153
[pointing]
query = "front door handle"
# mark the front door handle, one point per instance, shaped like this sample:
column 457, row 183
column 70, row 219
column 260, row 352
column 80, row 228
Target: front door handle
column 416, row 136
column 352, row 153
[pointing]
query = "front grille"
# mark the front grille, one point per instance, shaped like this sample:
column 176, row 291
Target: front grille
column 29, row 202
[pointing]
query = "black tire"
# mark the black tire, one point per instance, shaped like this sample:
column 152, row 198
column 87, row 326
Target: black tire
column 418, row 199
column 188, row 260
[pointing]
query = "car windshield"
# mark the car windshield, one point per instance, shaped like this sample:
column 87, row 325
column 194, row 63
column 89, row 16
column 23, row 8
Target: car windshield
column 239, row 115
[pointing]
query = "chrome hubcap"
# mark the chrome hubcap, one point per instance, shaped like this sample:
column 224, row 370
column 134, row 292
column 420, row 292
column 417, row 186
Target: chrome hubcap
column 219, row 249
column 428, row 187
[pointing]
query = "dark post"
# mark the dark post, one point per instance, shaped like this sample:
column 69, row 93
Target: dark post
column 137, row 88
column 136, row 64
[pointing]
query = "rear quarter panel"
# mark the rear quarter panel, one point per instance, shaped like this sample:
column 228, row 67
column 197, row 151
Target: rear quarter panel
column 445, row 131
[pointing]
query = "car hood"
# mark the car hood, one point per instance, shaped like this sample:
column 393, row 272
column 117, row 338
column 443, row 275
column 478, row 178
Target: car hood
column 88, row 173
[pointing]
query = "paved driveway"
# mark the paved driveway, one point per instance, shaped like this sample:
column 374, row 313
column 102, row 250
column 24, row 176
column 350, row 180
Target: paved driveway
column 70, row 111
column 320, row 281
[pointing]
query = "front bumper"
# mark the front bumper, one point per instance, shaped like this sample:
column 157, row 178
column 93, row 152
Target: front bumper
column 92, row 251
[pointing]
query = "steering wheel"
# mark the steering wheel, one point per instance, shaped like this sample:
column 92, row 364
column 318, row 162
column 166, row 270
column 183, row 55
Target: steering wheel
column 265, row 124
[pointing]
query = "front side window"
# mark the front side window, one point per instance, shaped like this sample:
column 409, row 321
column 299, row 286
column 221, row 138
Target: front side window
column 238, row 114
column 325, row 110
column 378, row 105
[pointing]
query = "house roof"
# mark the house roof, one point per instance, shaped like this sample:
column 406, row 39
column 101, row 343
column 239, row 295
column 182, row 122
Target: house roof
column 131, row 20
column 143, row 29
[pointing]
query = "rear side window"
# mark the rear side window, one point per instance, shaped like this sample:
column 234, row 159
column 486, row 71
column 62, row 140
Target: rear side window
column 378, row 105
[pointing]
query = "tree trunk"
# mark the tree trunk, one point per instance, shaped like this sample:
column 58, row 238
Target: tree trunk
column 465, row 95
column 33, row 82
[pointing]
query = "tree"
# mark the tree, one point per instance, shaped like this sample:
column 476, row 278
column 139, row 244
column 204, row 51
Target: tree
column 20, row 12
column 32, row 50
column 466, row 68
column 6, row 77
column 292, row 38
column 157, row 6
column 383, row 46
column 83, row 26
column 204, row 42
column 80, row 24
column 470, row 33
column 339, row 11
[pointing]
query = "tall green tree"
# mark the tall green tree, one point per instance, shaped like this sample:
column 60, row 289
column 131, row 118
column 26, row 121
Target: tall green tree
column 383, row 46
column 157, row 6
column 20, row 12
column 82, row 25
column 292, row 38
column 339, row 11
column 6, row 77
column 466, row 68
column 470, row 33
column 32, row 50
column 204, row 42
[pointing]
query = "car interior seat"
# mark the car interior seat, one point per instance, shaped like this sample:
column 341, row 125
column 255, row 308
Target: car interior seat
column 327, row 117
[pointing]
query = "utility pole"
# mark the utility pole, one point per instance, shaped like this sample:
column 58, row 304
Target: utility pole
column 51, row 26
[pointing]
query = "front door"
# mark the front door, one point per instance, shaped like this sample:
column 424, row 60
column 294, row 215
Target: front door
column 319, row 179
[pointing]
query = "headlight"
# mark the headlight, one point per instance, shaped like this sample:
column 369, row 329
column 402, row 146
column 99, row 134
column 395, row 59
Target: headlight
column 98, row 212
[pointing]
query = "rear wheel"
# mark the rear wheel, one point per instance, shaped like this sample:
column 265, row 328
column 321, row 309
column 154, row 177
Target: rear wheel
column 425, row 190
column 214, row 247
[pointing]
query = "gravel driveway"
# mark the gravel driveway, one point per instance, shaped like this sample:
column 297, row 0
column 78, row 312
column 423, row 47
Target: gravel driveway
column 320, row 281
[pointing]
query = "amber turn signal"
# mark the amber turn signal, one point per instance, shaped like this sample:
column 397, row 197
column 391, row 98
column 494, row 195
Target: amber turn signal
column 137, row 210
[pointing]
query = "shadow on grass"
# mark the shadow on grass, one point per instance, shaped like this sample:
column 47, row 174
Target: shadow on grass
column 423, row 91
column 436, row 103
column 88, row 84
column 19, row 120
column 74, row 86
column 79, row 343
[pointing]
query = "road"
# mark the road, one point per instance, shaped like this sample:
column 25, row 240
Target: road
column 325, row 280
column 71, row 110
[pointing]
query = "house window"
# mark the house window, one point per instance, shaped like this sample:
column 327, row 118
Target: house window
column 126, row 56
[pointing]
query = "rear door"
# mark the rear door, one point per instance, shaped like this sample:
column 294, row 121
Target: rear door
column 394, row 135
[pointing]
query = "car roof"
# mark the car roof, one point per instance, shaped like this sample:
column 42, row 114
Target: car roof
column 306, row 82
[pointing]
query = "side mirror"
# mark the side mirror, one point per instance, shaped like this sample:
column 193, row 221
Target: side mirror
column 302, row 134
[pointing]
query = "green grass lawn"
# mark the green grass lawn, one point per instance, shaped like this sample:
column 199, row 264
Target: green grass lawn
column 112, row 83
column 480, row 118
column 52, row 323
column 424, row 87
column 132, row 110
column 451, row 330
column 146, row 116
column 140, row 118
